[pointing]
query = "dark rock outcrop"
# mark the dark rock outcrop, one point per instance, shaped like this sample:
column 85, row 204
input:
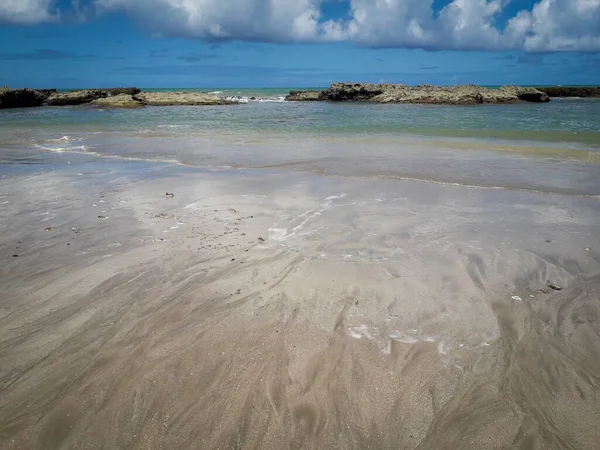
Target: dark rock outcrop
column 88, row 95
column 526, row 94
column 23, row 98
column 570, row 91
column 75, row 97
column 428, row 94
column 343, row 92
column 118, row 91
column 305, row 96
column 46, row 92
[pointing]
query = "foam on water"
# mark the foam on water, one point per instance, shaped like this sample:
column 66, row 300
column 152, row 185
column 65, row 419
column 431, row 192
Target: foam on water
column 243, row 99
column 72, row 149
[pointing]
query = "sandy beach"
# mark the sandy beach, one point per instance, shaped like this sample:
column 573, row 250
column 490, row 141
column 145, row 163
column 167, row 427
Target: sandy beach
column 261, row 309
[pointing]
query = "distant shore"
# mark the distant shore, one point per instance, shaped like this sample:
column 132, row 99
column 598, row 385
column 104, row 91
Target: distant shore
column 338, row 92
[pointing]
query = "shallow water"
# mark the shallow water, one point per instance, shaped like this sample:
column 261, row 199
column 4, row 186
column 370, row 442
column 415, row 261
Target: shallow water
column 551, row 147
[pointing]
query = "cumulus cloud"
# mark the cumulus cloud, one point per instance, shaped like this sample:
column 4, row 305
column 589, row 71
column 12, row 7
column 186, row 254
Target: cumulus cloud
column 461, row 24
column 557, row 25
column 251, row 20
column 26, row 11
column 551, row 25
column 547, row 26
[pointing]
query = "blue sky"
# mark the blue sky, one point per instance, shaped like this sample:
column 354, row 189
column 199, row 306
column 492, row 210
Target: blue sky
column 297, row 43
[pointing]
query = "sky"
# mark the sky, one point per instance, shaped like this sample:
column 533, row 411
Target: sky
column 297, row 43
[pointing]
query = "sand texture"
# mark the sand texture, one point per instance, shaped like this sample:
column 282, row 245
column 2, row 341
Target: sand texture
column 256, row 310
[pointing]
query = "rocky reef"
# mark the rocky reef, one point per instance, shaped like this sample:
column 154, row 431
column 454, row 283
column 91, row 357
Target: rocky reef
column 305, row 96
column 23, row 98
column 75, row 97
column 129, row 97
column 118, row 91
column 180, row 98
column 571, row 91
column 118, row 101
column 428, row 94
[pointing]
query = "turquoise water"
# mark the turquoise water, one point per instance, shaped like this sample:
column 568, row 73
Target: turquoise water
column 572, row 123
column 552, row 147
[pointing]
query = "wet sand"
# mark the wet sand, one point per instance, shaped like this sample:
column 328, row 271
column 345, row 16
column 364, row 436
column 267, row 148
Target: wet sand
column 260, row 309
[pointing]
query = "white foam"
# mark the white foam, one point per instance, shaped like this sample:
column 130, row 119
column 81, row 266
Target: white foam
column 62, row 140
column 74, row 149
column 269, row 99
column 244, row 99
column 237, row 99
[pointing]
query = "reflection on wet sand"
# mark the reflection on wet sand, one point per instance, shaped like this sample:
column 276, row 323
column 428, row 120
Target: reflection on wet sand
column 266, row 310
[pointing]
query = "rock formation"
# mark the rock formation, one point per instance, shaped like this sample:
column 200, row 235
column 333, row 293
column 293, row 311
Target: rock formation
column 118, row 101
column 428, row 94
column 23, row 98
column 305, row 96
column 571, row 91
column 118, row 91
column 75, row 97
column 180, row 98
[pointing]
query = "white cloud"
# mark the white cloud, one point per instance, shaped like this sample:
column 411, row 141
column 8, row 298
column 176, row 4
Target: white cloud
column 462, row 24
column 254, row 20
column 549, row 25
column 26, row 11
column 557, row 25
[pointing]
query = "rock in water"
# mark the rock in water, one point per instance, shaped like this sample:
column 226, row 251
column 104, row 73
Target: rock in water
column 75, row 97
column 526, row 94
column 118, row 101
column 23, row 98
column 567, row 91
column 180, row 98
column 340, row 92
column 428, row 94
column 305, row 96
column 119, row 91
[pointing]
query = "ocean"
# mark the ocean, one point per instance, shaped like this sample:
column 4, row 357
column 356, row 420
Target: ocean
column 511, row 146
